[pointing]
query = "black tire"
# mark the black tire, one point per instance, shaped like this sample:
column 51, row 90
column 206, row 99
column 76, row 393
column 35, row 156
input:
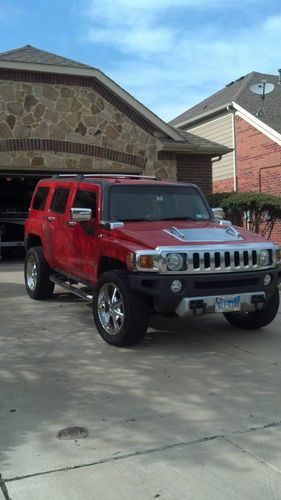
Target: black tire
column 121, row 315
column 37, row 274
column 256, row 319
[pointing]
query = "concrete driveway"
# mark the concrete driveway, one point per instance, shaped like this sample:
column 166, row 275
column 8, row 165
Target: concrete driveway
column 193, row 412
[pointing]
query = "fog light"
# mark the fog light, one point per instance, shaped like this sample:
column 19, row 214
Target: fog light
column 267, row 280
column 176, row 286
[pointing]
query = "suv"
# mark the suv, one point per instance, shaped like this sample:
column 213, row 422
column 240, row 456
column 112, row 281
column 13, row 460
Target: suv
column 133, row 245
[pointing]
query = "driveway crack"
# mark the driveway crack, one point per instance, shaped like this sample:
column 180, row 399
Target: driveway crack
column 147, row 451
column 4, row 489
column 243, row 349
column 253, row 455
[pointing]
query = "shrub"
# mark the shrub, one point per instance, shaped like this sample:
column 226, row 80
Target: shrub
column 259, row 211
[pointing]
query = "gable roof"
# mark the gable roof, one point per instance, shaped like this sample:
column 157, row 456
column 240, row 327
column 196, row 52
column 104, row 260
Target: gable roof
column 31, row 59
column 29, row 54
column 238, row 92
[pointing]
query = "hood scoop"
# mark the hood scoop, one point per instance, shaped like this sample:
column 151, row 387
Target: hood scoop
column 215, row 234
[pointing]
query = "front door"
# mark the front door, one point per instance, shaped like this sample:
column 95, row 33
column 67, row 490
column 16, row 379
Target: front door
column 83, row 241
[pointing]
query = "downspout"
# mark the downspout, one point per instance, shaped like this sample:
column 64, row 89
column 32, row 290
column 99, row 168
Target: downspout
column 265, row 168
column 234, row 147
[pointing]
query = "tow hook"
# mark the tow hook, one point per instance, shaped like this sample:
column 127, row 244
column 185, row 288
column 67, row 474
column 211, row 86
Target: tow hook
column 198, row 307
column 258, row 301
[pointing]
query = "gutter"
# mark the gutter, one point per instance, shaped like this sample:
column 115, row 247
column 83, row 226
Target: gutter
column 190, row 148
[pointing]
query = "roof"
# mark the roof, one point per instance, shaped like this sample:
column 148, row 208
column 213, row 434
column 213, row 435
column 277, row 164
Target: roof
column 239, row 92
column 29, row 54
column 32, row 59
column 201, row 144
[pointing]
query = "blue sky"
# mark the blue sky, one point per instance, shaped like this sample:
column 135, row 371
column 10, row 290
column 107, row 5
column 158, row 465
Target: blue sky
column 169, row 54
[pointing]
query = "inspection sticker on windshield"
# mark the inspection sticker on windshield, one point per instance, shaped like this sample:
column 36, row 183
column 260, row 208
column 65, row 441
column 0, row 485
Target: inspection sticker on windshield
column 227, row 303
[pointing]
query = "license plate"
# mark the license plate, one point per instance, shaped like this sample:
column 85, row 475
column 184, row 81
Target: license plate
column 227, row 303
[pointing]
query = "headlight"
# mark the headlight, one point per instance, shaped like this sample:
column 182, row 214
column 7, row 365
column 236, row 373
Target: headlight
column 264, row 257
column 174, row 261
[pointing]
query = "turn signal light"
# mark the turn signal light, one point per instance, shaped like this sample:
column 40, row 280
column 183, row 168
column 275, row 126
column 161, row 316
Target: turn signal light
column 147, row 261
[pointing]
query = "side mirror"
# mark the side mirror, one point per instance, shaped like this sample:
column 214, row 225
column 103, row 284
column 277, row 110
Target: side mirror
column 81, row 214
column 219, row 215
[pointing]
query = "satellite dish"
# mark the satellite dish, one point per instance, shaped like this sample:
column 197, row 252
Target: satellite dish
column 262, row 88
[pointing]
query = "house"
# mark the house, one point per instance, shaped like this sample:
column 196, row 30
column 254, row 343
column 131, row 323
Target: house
column 59, row 115
column 248, row 122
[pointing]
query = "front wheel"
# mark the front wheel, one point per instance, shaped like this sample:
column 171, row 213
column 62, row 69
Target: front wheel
column 36, row 275
column 121, row 315
column 256, row 319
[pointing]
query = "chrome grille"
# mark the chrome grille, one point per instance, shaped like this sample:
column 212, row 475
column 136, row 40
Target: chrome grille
column 220, row 260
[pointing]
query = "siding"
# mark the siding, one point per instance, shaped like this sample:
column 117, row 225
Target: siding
column 219, row 130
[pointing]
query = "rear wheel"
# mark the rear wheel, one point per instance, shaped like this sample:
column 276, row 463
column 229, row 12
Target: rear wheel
column 256, row 319
column 121, row 315
column 37, row 274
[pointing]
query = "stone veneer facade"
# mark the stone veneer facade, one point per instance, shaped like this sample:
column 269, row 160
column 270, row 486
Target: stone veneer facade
column 56, row 122
column 73, row 123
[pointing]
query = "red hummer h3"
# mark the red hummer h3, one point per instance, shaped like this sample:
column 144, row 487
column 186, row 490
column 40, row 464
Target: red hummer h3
column 133, row 245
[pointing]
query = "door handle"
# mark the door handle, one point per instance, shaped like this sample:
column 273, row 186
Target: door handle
column 50, row 218
column 70, row 223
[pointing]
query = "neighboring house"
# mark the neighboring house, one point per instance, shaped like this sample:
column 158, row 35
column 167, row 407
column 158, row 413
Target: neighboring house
column 60, row 115
column 234, row 117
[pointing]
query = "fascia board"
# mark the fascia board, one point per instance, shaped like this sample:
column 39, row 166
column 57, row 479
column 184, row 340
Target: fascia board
column 210, row 121
column 105, row 80
column 204, row 115
column 258, row 124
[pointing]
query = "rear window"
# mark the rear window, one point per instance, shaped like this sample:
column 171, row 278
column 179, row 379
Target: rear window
column 59, row 200
column 40, row 199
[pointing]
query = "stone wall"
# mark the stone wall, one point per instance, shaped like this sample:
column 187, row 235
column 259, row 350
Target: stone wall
column 46, row 126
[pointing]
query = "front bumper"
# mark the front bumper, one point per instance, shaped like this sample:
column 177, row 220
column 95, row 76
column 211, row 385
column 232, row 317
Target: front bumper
column 203, row 287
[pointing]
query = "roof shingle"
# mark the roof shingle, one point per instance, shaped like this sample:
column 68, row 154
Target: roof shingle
column 32, row 55
column 239, row 92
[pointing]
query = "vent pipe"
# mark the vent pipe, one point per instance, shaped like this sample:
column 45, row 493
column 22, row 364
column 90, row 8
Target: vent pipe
column 279, row 81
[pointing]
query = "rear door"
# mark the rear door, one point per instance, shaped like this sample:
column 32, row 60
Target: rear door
column 57, row 230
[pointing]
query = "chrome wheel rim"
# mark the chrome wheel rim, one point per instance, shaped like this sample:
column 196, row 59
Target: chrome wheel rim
column 111, row 308
column 31, row 273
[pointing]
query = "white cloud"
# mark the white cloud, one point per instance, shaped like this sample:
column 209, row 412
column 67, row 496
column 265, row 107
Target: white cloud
column 145, row 40
column 172, row 65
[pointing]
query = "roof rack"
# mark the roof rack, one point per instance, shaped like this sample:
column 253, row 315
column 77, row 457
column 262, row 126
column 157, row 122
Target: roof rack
column 118, row 176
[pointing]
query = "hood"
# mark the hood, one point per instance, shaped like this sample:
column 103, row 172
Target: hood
column 178, row 233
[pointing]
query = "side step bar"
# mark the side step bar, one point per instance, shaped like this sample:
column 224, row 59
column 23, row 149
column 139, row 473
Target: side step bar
column 71, row 288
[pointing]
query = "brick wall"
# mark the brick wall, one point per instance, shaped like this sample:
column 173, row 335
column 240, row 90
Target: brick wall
column 225, row 185
column 258, row 160
column 258, row 164
column 196, row 169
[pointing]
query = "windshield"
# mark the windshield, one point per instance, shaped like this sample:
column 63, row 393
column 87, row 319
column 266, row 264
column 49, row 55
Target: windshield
column 156, row 203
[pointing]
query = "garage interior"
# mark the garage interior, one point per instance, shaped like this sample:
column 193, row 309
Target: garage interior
column 16, row 191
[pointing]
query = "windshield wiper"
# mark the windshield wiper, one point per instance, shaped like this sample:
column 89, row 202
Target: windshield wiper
column 182, row 218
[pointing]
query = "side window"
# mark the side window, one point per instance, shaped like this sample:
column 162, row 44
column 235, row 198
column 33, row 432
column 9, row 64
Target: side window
column 85, row 199
column 59, row 200
column 41, row 196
